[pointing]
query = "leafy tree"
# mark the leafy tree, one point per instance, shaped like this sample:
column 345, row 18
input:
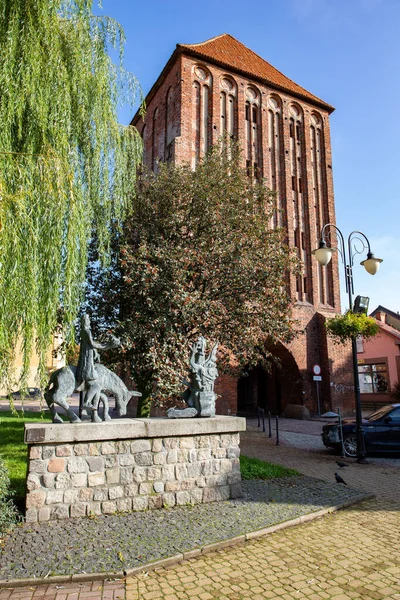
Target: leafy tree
column 200, row 256
column 66, row 165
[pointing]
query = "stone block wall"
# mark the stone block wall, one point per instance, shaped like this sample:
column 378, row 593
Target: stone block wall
column 78, row 478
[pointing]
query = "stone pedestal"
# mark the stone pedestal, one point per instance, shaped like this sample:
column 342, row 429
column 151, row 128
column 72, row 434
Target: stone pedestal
column 84, row 469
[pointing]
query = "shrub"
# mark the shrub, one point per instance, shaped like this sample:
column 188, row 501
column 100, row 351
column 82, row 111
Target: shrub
column 8, row 512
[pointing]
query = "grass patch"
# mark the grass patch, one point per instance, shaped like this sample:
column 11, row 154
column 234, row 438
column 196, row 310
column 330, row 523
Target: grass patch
column 13, row 449
column 254, row 468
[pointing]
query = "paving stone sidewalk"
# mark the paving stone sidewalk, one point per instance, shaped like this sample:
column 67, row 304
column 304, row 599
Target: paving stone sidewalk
column 345, row 555
column 350, row 554
column 115, row 543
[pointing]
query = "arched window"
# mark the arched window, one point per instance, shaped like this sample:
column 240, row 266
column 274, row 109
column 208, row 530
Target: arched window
column 275, row 164
column 300, row 211
column 252, row 133
column 202, row 83
column 228, row 104
column 155, row 134
column 169, row 131
column 320, row 197
column 143, row 136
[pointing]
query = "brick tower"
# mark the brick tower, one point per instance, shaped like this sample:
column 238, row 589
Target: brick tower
column 222, row 87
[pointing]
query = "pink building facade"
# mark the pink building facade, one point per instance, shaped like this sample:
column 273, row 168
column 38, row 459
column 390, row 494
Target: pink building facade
column 379, row 359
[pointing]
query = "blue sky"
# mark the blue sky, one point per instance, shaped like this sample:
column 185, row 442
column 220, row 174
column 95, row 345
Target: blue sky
column 347, row 52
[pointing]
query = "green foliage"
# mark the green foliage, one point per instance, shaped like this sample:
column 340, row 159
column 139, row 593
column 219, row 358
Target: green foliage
column 343, row 328
column 200, row 256
column 66, row 165
column 13, row 448
column 254, row 468
column 8, row 513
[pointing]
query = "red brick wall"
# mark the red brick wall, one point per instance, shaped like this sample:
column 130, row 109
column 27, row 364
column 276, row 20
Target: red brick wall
column 157, row 151
column 226, row 390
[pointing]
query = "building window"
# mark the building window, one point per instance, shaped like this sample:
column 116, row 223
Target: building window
column 143, row 134
column 252, row 131
column 201, row 111
column 275, row 162
column 299, row 199
column 319, row 193
column 373, row 378
column 154, row 142
column 227, row 108
column 169, row 130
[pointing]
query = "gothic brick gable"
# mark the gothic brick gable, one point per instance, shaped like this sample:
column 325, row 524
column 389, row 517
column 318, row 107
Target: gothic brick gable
column 227, row 51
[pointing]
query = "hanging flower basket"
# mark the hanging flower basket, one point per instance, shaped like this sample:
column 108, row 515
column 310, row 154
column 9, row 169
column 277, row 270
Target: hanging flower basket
column 343, row 328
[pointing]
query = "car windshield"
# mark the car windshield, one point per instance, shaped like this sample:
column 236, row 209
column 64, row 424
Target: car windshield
column 379, row 414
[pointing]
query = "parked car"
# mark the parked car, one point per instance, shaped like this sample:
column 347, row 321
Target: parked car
column 381, row 432
column 30, row 392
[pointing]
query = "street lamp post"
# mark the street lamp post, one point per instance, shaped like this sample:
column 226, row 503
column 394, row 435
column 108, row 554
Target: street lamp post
column 357, row 242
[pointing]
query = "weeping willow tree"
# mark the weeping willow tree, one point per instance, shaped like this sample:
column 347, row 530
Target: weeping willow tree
column 66, row 165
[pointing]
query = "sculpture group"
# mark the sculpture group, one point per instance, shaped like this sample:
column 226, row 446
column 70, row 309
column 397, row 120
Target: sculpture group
column 94, row 380
column 199, row 395
column 89, row 377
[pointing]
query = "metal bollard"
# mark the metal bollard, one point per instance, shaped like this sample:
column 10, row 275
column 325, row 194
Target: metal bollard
column 269, row 425
column 258, row 416
column 277, row 431
column 342, row 453
column 263, row 417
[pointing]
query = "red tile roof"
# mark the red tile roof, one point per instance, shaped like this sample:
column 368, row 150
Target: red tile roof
column 388, row 329
column 229, row 52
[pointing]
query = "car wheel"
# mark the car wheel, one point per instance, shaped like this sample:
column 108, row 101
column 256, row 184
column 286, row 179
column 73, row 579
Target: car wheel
column 350, row 445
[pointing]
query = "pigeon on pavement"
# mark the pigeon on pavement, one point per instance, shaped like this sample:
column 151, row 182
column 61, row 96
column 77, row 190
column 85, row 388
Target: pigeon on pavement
column 341, row 464
column 339, row 479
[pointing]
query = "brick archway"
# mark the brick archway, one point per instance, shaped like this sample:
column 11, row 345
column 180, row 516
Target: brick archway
column 270, row 389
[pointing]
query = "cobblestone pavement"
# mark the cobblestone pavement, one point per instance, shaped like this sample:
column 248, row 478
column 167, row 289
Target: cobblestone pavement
column 120, row 542
column 340, row 557
column 349, row 554
column 380, row 476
